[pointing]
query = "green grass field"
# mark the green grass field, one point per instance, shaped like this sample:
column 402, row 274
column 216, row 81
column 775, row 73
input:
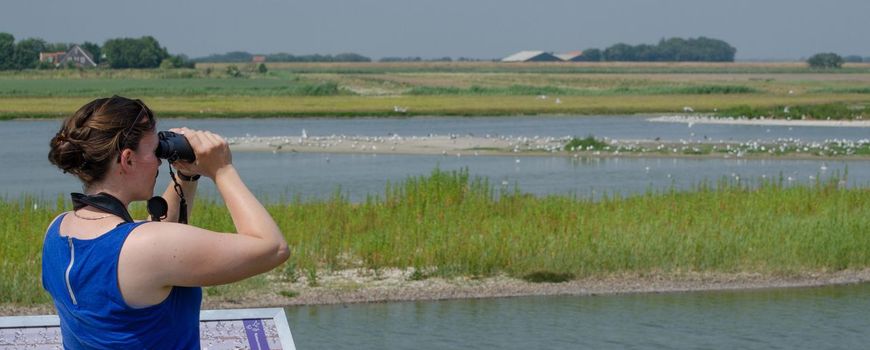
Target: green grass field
column 450, row 224
column 462, row 89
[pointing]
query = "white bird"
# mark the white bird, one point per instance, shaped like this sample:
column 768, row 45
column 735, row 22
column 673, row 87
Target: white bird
column 688, row 109
column 304, row 134
column 558, row 101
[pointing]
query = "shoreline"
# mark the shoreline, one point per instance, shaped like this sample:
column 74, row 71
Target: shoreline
column 394, row 285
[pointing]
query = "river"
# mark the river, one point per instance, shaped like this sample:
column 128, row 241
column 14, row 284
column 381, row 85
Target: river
column 832, row 317
column 24, row 145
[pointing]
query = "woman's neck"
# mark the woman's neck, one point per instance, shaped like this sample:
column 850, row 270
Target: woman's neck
column 111, row 190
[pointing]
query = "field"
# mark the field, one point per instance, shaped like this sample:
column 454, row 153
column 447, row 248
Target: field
column 460, row 88
column 448, row 224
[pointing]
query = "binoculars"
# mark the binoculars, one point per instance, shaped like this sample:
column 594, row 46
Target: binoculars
column 172, row 147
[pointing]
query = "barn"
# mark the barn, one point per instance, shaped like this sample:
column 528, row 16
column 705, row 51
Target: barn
column 531, row 56
column 572, row 56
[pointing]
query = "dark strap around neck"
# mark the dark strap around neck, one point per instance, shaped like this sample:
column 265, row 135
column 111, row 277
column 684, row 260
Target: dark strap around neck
column 102, row 201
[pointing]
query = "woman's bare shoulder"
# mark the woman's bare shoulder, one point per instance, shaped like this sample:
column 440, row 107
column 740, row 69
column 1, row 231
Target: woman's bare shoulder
column 163, row 230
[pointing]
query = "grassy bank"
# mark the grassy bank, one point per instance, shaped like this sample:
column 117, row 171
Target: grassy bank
column 338, row 106
column 448, row 224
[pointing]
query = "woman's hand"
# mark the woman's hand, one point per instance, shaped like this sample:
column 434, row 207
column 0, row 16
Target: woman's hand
column 212, row 153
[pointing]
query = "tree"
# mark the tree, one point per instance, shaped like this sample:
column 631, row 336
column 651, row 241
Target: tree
column 166, row 64
column 262, row 68
column 590, row 55
column 853, row 59
column 151, row 54
column 620, row 52
column 234, row 56
column 712, row 49
column 646, row 53
column 26, row 54
column 144, row 52
column 7, row 50
column 673, row 49
column 825, row 60
column 234, row 71
column 180, row 61
column 351, row 57
column 57, row 47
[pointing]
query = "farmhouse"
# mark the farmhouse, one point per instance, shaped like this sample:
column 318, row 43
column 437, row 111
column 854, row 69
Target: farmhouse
column 75, row 55
column 531, row 56
column 51, row 57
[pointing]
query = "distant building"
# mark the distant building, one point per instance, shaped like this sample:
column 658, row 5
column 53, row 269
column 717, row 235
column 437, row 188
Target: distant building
column 51, row 57
column 258, row 59
column 531, row 56
column 572, row 56
column 75, row 55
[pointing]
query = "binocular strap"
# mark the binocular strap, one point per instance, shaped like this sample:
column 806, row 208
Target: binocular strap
column 157, row 206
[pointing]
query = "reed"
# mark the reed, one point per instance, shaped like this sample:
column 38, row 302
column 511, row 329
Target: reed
column 825, row 111
column 451, row 224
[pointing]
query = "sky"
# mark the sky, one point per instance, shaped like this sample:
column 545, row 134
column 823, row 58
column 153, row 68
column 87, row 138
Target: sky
column 759, row 29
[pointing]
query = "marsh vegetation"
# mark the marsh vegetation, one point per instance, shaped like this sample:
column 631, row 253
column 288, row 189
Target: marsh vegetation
column 451, row 224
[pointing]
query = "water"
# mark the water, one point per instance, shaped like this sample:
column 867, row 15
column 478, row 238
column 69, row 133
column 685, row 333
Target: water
column 832, row 317
column 619, row 127
column 817, row 318
column 24, row 144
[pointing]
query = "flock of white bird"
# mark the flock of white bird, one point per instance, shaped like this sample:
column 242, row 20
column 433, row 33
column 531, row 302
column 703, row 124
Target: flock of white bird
column 451, row 144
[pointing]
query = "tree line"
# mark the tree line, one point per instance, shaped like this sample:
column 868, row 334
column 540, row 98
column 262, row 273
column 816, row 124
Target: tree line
column 242, row 56
column 667, row 50
column 144, row 52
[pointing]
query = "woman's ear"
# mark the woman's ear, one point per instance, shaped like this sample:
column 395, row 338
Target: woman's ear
column 126, row 160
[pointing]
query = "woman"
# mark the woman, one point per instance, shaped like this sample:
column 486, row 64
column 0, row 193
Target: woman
column 119, row 284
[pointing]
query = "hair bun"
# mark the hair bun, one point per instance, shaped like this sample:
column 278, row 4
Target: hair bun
column 66, row 153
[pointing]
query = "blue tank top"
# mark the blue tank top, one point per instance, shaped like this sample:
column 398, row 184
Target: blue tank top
column 81, row 276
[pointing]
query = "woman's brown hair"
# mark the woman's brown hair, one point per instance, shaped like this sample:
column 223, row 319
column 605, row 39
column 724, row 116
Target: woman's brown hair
column 94, row 136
